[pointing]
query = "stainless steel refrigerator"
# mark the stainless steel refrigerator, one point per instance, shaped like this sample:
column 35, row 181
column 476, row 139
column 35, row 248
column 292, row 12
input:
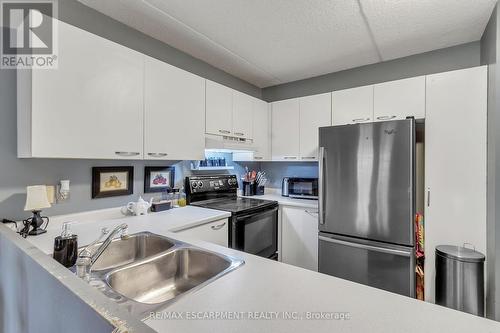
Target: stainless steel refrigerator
column 367, row 204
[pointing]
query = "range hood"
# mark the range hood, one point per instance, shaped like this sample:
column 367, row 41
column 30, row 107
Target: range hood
column 228, row 144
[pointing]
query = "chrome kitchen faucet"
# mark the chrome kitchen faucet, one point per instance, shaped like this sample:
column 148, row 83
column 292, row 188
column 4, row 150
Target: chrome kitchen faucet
column 86, row 258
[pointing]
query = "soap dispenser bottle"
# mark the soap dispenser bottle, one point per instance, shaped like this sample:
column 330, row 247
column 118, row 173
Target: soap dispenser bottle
column 66, row 247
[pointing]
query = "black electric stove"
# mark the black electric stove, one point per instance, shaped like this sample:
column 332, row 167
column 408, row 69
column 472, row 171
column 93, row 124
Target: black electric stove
column 253, row 226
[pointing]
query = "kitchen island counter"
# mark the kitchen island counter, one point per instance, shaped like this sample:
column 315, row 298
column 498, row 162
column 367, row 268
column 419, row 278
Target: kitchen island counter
column 268, row 296
column 163, row 222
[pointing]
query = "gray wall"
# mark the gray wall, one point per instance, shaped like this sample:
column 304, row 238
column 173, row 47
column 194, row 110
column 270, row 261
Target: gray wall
column 489, row 53
column 456, row 57
column 275, row 171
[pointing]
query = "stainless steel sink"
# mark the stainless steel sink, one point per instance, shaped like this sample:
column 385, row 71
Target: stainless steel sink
column 125, row 251
column 147, row 272
column 161, row 279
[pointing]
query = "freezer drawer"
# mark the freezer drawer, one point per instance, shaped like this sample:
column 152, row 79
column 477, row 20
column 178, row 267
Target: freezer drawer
column 375, row 264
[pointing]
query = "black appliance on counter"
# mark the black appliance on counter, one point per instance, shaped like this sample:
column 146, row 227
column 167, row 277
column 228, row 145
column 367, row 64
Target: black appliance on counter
column 300, row 188
column 253, row 225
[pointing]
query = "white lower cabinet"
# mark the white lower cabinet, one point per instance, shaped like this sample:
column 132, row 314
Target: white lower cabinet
column 299, row 237
column 214, row 232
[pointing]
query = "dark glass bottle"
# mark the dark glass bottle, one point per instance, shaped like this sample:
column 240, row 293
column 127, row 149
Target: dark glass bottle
column 66, row 247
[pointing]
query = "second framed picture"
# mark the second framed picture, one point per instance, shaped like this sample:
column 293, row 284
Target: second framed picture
column 158, row 179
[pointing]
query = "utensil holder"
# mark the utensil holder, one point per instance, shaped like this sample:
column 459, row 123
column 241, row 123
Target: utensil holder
column 259, row 190
column 249, row 188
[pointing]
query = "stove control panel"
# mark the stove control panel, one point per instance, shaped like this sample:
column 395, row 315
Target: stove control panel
column 200, row 184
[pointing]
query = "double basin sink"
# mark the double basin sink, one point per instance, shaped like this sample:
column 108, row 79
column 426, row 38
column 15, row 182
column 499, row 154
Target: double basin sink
column 145, row 272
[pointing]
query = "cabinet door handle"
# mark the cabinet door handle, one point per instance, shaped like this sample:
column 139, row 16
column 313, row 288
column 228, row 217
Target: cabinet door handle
column 428, row 197
column 239, row 133
column 321, row 168
column 313, row 214
column 258, row 158
column 290, row 157
column 385, row 117
column 157, row 154
column 224, row 131
column 127, row 153
column 308, row 158
column 360, row 120
column 218, row 227
column 388, row 250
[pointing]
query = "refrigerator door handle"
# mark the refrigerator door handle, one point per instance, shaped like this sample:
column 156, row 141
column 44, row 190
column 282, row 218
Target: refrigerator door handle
column 321, row 180
column 368, row 247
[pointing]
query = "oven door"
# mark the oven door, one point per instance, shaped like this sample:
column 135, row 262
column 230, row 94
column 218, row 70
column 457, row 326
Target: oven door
column 256, row 233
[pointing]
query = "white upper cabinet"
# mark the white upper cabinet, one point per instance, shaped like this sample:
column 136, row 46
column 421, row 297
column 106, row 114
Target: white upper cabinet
column 285, row 130
column 380, row 102
column 315, row 112
column 90, row 107
column 261, row 119
column 228, row 112
column 351, row 106
column 174, row 99
column 295, row 124
column 242, row 115
column 399, row 99
column 219, row 109
column 261, row 130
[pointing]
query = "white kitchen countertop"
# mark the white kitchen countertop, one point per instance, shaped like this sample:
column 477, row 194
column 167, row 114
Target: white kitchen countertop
column 162, row 222
column 267, row 289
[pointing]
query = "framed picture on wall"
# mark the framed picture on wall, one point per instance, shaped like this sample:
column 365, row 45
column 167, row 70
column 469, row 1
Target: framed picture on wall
column 112, row 181
column 158, row 179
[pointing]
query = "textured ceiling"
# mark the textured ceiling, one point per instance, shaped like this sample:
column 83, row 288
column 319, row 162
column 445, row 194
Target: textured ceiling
column 268, row 42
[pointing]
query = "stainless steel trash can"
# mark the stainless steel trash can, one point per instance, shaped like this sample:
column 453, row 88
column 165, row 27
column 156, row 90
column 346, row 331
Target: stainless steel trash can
column 460, row 279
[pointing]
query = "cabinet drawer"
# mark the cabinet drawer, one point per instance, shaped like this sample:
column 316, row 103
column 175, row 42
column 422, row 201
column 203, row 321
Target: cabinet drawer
column 214, row 232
